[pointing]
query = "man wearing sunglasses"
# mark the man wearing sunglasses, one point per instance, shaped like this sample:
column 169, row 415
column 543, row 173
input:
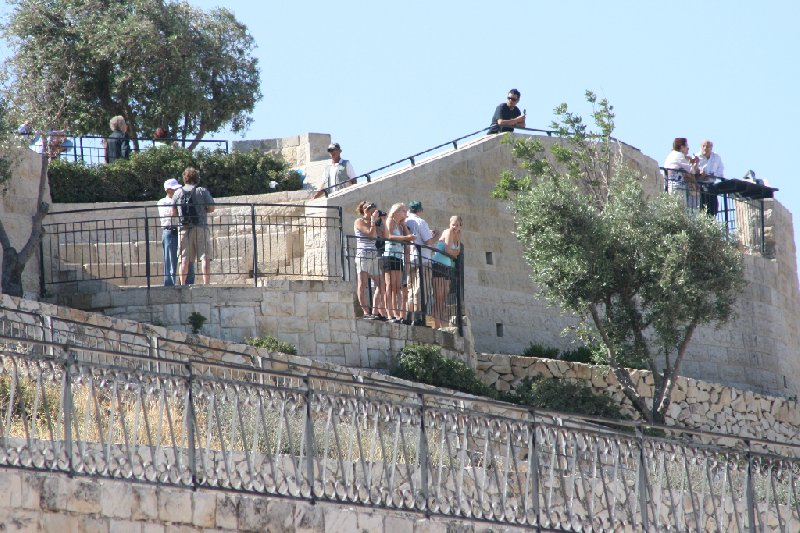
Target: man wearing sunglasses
column 507, row 116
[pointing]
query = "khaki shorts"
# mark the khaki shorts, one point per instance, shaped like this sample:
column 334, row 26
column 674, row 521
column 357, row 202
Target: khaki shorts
column 368, row 262
column 194, row 244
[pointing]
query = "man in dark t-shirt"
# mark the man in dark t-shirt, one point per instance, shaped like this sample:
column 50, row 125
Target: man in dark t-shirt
column 507, row 116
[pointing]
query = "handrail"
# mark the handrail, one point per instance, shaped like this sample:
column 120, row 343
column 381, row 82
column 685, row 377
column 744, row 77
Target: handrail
column 412, row 158
column 421, row 450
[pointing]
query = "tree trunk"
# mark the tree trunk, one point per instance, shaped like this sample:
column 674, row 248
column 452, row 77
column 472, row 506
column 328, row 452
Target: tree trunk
column 13, row 261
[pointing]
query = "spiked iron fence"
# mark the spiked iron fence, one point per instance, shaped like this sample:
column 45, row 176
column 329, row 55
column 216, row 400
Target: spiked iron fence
column 70, row 405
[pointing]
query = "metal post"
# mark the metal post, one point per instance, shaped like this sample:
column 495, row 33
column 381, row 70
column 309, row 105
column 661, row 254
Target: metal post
column 750, row 490
column 147, row 248
column 309, row 442
column 342, row 242
column 190, row 421
column 423, row 456
column 460, row 293
column 422, row 303
column 255, row 244
column 66, row 400
column 533, row 469
column 642, row 471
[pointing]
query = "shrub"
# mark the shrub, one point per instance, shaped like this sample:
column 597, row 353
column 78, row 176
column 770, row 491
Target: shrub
column 564, row 396
column 272, row 344
column 424, row 363
column 537, row 350
column 583, row 354
column 196, row 320
column 141, row 178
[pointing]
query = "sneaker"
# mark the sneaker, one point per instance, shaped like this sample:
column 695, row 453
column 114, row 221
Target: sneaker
column 407, row 321
column 419, row 322
column 369, row 317
column 381, row 318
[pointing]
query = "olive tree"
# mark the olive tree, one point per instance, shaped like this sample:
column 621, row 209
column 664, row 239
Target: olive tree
column 641, row 272
column 157, row 63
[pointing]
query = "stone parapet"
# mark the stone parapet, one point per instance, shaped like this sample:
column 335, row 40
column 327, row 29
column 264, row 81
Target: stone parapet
column 695, row 404
column 46, row 502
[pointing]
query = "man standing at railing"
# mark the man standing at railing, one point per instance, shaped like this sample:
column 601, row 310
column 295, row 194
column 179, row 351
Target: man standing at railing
column 193, row 204
column 507, row 116
column 169, row 232
column 710, row 167
column 338, row 175
column 118, row 144
column 423, row 235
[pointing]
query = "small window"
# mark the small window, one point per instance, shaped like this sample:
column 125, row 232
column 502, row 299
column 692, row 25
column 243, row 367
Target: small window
column 489, row 258
column 499, row 327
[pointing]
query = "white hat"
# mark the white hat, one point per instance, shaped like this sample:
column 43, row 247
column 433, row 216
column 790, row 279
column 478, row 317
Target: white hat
column 171, row 185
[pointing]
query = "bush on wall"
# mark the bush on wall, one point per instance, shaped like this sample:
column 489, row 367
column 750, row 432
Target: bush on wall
column 141, row 178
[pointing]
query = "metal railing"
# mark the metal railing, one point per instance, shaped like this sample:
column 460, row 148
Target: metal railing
column 436, row 291
column 182, row 422
column 738, row 204
column 249, row 242
column 90, row 149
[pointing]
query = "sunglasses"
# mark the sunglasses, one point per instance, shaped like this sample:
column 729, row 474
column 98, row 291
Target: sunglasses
column 513, row 98
column 370, row 206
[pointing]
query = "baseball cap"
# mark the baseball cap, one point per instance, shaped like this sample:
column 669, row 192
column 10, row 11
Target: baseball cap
column 171, row 185
column 415, row 206
column 334, row 146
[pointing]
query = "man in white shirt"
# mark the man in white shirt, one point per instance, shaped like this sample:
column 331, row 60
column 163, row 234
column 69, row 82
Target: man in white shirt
column 710, row 167
column 338, row 175
column 422, row 235
column 169, row 230
column 710, row 163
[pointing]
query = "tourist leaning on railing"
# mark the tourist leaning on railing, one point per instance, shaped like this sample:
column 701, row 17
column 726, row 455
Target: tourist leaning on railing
column 710, row 168
column 397, row 235
column 680, row 172
column 365, row 228
column 419, row 260
column 443, row 268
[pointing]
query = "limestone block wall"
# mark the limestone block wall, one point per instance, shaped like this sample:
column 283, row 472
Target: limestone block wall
column 318, row 317
column 17, row 205
column 756, row 351
column 695, row 404
column 46, row 502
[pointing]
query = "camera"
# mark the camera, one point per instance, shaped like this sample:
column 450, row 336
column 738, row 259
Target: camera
column 381, row 213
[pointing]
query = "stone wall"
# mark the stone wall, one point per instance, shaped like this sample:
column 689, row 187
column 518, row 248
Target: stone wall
column 18, row 204
column 47, row 502
column 318, row 317
column 695, row 404
column 757, row 350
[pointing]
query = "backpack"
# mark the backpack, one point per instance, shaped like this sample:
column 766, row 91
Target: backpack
column 187, row 209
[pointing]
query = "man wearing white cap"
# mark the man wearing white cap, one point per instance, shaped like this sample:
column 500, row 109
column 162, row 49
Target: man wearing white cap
column 169, row 227
column 338, row 174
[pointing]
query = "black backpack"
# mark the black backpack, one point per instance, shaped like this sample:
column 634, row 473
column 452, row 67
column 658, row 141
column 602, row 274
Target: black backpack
column 187, row 209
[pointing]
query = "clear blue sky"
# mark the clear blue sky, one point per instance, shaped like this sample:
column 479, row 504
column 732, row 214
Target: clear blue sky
column 389, row 79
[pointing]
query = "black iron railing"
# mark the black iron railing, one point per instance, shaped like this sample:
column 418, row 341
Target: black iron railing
column 249, row 242
column 70, row 407
column 738, row 204
column 90, row 149
column 427, row 287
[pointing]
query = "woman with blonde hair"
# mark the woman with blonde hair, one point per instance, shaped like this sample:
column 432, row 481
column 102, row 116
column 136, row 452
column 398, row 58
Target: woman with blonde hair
column 397, row 236
column 443, row 272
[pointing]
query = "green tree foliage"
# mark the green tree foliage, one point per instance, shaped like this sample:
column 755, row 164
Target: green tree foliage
column 158, row 63
column 142, row 177
column 642, row 272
